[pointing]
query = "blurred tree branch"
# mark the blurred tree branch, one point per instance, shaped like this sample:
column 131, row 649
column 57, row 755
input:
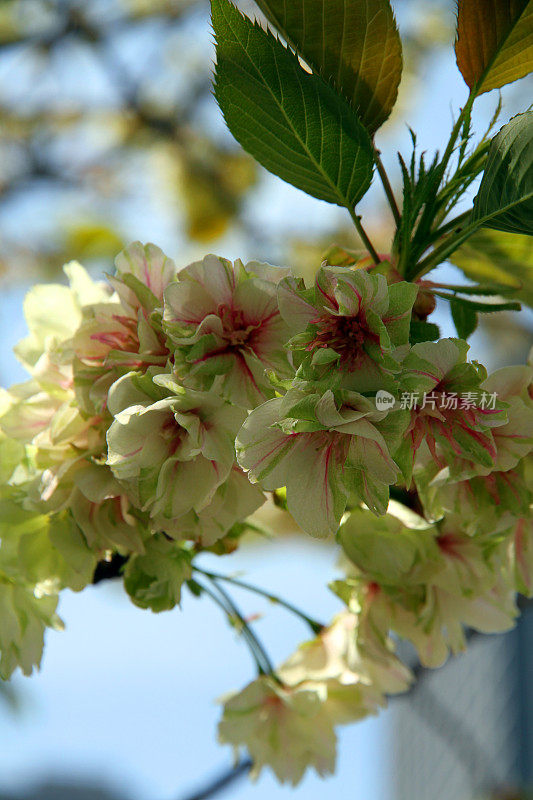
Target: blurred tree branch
column 224, row 781
column 152, row 123
column 211, row 177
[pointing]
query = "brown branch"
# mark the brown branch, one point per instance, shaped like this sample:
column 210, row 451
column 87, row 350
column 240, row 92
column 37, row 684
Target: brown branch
column 107, row 570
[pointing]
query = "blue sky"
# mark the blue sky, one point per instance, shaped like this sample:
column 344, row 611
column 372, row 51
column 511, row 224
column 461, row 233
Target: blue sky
column 127, row 697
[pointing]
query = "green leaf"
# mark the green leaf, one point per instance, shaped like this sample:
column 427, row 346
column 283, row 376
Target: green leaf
column 484, row 308
column 289, row 120
column 337, row 256
column 505, row 197
column 479, row 289
column 505, row 258
column 423, row 332
column 353, row 44
column 494, row 42
column 195, row 588
column 464, row 318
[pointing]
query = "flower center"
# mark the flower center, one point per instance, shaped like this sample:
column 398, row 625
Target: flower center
column 236, row 331
column 449, row 544
column 172, row 433
column 345, row 335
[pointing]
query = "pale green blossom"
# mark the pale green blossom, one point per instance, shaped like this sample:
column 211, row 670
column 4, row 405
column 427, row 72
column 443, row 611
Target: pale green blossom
column 452, row 433
column 467, row 582
column 286, row 729
column 355, row 673
column 171, row 448
column 324, row 451
column 123, row 333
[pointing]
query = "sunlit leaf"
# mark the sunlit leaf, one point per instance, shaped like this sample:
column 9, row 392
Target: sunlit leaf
column 505, row 197
column 494, row 42
column 504, row 258
column 483, row 308
column 337, row 256
column 290, row 121
column 354, row 44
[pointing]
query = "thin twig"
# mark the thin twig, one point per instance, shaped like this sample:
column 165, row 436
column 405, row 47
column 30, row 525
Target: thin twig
column 315, row 626
column 364, row 236
column 259, row 655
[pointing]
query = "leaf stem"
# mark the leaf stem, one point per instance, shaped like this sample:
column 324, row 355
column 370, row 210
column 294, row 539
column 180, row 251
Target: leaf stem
column 454, row 223
column 440, row 254
column 315, row 626
column 427, row 219
column 364, row 236
column 388, row 188
column 262, row 659
column 455, row 133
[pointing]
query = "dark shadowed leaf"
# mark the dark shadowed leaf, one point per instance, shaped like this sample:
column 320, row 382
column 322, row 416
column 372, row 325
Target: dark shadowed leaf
column 494, row 42
column 291, row 121
column 478, row 289
column 354, row 44
column 505, row 197
column 423, row 332
column 464, row 318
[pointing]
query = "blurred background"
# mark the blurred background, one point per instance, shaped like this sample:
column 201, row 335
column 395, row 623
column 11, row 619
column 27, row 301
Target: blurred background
column 109, row 133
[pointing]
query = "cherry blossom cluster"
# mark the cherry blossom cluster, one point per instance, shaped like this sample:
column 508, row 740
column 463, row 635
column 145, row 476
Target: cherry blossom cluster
column 165, row 407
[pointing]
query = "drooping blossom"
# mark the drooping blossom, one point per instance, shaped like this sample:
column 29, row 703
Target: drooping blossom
column 466, row 583
column 284, row 728
column 234, row 500
column 42, row 413
column 40, row 554
column 64, row 446
column 354, row 673
column 324, row 452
